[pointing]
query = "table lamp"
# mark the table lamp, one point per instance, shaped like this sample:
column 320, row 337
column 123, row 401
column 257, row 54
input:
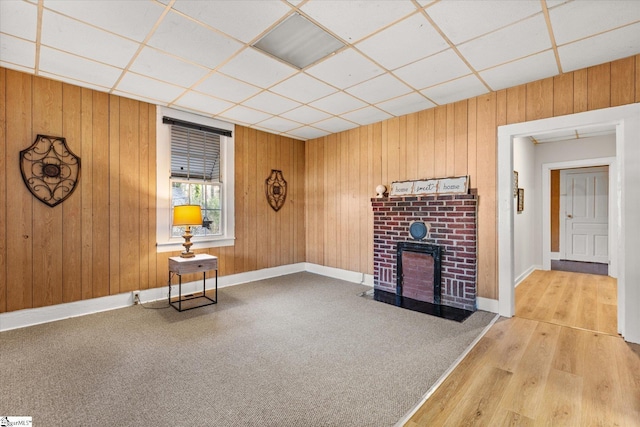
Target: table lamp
column 186, row 216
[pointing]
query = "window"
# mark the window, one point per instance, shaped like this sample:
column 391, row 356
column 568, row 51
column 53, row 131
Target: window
column 194, row 166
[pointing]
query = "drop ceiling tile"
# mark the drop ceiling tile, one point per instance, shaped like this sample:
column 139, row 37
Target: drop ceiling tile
column 345, row 69
column 279, row 124
column 245, row 115
column 257, row 15
column 227, row 88
column 132, row 19
column 257, row 68
column 307, row 132
column 303, row 88
column 17, row 51
column 579, row 19
column 335, row 124
column 77, row 68
column 353, row 20
column 406, row 104
column 516, row 41
column 456, row 90
column 16, row 67
column 271, row 103
column 149, row 88
column 138, row 97
column 19, row 19
column 199, row 102
column 416, row 36
column 603, row 48
column 153, row 63
column 367, row 115
column 190, row 40
column 525, row 70
column 463, row 20
column 83, row 40
column 338, row 103
column 74, row 82
column 306, row 114
column 433, row 70
column 379, row 89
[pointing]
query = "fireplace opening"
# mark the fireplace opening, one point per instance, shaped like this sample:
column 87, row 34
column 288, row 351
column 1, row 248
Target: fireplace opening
column 418, row 271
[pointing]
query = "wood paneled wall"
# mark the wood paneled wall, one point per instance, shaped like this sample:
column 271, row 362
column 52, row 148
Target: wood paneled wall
column 456, row 139
column 101, row 240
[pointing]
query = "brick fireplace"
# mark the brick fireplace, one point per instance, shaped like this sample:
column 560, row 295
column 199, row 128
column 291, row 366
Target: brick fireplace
column 453, row 227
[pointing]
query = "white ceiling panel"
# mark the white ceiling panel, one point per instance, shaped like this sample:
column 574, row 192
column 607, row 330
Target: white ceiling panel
column 576, row 20
column 257, row 15
column 379, row 89
column 303, row 88
column 603, row 48
column 306, row 114
column 227, row 88
column 203, row 103
column 515, row 41
column 344, row 69
column 71, row 36
column 257, row 68
column 399, row 57
column 17, row 51
column 338, row 103
column 271, row 103
column 245, row 115
column 132, row 19
column 406, row 104
column 416, row 36
column 19, row 19
column 279, row 124
column 190, row 40
column 463, row 20
column 153, row 63
column 456, row 90
column 367, row 115
column 149, row 88
column 352, row 20
column 433, row 70
column 525, row 70
column 335, row 124
column 77, row 68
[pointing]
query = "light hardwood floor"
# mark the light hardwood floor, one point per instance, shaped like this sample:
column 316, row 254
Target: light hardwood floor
column 532, row 372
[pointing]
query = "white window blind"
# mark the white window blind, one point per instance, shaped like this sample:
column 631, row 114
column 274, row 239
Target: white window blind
column 195, row 154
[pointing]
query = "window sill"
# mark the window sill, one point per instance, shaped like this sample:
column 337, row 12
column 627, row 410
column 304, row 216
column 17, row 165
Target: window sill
column 176, row 245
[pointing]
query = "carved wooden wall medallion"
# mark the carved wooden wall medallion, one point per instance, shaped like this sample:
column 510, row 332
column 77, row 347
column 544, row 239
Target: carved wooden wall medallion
column 49, row 169
column 276, row 189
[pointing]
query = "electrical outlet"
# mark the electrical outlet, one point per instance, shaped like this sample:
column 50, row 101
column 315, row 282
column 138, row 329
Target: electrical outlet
column 136, row 297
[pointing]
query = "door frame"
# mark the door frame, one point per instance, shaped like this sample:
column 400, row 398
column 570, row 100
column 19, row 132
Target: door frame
column 546, row 208
column 626, row 120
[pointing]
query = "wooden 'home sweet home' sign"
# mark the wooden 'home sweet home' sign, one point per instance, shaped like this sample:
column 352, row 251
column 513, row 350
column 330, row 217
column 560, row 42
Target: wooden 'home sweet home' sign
column 456, row 185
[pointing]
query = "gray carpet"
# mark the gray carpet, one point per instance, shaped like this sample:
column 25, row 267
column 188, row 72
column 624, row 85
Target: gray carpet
column 298, row 350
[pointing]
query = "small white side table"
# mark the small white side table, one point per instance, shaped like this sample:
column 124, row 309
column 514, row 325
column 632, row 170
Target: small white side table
column 199, row 263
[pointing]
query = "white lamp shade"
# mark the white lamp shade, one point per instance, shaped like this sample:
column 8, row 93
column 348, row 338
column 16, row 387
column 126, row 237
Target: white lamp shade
column 187, row 215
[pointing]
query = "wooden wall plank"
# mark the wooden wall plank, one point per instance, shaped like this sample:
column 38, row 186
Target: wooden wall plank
column 47, row 225
column 472, row 155
column 539, row 99
column 151, row 197
column 343, row 200
column 580, row 93
column 144, row 147
column 440, row 139
column 19, row 213
column 72, row 207
column 599, row 86
column 86, row 193
column 353, row 197
column 501, row 107
column 517, row 104
column 637, row 80
column 622, row 81
column 241, row 189
column 555, row 210
column 563, row 94
column 114, row 194
column 253, row 188
column 427, row 144
column 450, row 144
column 411, row 162
column 3, row 191
column 262, row 246
column 366, row 191
column 299, row 202
column 101, row 225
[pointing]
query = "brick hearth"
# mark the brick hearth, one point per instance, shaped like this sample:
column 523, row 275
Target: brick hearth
column 453, row 227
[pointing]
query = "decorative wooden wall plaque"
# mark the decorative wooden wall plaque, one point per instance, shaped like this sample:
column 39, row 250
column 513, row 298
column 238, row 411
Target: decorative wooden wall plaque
column 276, row 189
column 49, row 169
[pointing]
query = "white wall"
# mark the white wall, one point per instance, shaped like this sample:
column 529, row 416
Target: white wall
column 524, row 226
column 562, row 151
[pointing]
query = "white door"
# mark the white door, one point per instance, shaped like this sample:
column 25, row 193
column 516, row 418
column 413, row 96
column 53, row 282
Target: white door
column 586, row 214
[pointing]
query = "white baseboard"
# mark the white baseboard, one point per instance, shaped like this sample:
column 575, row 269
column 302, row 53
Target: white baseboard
column 35, row 316
column 487, row 304
column 526, row 274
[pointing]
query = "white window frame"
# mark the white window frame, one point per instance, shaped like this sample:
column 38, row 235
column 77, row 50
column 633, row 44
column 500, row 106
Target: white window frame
column 166, row 243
